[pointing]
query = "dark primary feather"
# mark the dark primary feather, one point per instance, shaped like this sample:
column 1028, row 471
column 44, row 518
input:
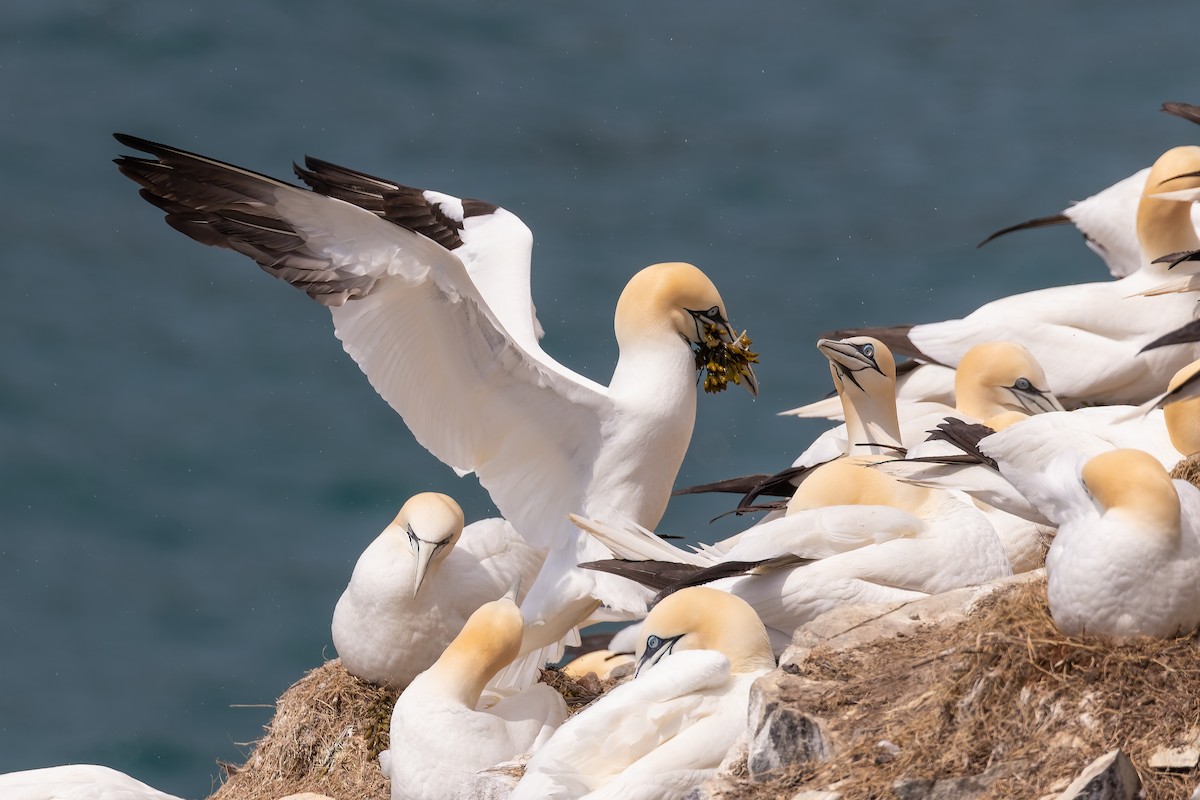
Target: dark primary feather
column 669, row 577
column 963, row 435
column 894, row 336
column 1039, row 222
column 1184, row 110
column 1186, row 334
column 1175, row 259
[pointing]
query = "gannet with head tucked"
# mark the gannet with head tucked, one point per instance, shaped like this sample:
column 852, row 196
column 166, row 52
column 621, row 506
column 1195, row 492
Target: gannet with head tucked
column 665, row 732
column 416, row 584
column 430, row 296
column 76, row 782
column 1126, row 557
column 1087, row 337
column 439, row 738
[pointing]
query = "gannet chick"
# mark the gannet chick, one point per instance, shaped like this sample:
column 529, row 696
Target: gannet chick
column 1126, row 557
column 1087, row 337
column 414, row 587
column 76, row 782
column 439, row 738
column 663, row 733
column 429, row 294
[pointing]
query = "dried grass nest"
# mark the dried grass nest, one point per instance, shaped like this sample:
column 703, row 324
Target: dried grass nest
column 327, row 733
column 1003, row 693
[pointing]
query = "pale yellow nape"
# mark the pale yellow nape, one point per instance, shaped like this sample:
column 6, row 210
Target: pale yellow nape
column 656, row 300
column 1137, row 484
column 490, row 641
column 430, row 512
column 709, row 619
column 854, row 482
column 1164, row 226
column 1183, row 418
column 984, row 373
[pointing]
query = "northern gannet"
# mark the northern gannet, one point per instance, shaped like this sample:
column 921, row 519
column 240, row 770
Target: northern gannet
column 663, row 733
column 1087, row 337
column 416, row 584
column 439, row 738
column 873, row 540
column 1107, row 221
column 1126, row 557
column 430, row 296
column 76, row 782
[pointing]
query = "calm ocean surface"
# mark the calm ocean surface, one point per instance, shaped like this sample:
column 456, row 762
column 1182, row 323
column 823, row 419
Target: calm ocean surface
column 190, row 464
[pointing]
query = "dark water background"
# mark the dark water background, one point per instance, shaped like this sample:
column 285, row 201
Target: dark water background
column 190, row 465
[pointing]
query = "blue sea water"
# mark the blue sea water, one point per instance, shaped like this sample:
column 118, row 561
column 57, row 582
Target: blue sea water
column 190, row 465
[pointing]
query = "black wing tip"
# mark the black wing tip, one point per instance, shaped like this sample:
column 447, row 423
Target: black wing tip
column 1186, row 334
column 1182, row 110
column 1029, row 224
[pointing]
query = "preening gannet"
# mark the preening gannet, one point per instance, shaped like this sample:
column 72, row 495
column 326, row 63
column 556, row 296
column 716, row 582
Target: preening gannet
column 439, row 739
column 430, row 296
column 1126, row 557
column 76, row 782
column 1087, row 337
column 415, row 585
column 663, row 733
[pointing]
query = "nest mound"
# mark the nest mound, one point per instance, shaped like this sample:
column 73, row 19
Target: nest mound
column 1002, row 694
column 328, row 731
column 326, row 736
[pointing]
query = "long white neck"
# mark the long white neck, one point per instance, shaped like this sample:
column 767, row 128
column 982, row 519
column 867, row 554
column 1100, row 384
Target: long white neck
column 872, row 425
column 653, row 390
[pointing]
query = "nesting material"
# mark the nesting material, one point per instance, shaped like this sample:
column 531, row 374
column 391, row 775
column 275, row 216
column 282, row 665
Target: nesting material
column 723, row 361
column 328, row 731
column 1188, row 469
column 1003, row 693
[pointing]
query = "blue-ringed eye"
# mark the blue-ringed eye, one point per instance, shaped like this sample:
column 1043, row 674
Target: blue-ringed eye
column 1023, row 384
column 868, row 350
column 653, row 642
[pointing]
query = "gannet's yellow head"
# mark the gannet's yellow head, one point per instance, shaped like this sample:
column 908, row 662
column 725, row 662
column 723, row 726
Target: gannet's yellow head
column 489, row 641
column 700, row 618
column 994, row 377
column 678, row 299
column 432, row 524
column 1135, row 483
column 1183, row 416
column 862, row 362
column 1164, row 223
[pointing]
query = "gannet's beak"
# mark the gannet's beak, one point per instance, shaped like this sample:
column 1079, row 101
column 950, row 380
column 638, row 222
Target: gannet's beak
column 848, row 358
column 1182, row 195
column 423, row 553
column 513, row 590
column 722, row 354
column 1033, row 399
column 656, row 648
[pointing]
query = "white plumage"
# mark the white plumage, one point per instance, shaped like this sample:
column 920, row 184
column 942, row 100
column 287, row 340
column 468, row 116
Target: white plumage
column 1087, row 337
column 439, row 736
column 76, row 782
column 663, row 733
column 1127, row 554
column 416, row 584
column 430, row 296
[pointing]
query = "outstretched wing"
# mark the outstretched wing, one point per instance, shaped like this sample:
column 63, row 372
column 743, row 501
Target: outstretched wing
column 406, row 308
